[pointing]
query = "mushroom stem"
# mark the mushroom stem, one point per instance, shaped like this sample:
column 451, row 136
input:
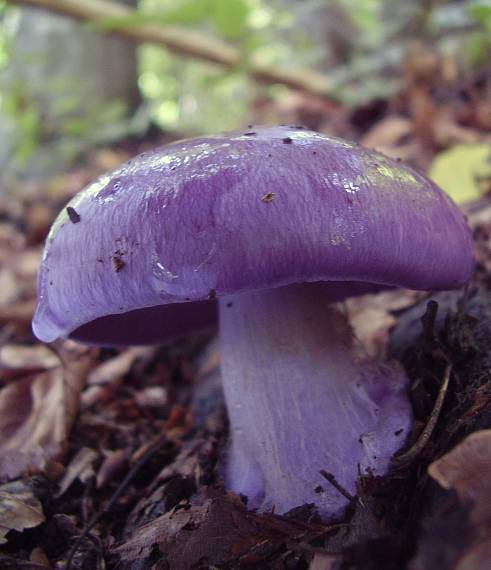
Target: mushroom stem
column 300, row 400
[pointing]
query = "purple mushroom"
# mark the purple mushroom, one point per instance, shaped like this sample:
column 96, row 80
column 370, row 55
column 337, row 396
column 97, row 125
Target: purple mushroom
column 276, row 224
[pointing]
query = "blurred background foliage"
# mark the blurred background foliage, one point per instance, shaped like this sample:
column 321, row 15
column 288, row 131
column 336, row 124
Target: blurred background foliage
column 360, row 42
column 362, row 47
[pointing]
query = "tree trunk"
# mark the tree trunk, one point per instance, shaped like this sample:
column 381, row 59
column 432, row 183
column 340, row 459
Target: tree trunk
column 66, row 87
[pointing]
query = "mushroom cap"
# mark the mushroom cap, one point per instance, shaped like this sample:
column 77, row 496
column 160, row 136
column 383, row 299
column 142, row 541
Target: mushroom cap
column 214, row 216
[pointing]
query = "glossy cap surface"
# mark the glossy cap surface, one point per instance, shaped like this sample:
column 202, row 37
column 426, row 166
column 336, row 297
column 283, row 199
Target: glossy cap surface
column 214, row 216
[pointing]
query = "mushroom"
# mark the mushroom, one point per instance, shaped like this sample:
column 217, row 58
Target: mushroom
column 277, row 225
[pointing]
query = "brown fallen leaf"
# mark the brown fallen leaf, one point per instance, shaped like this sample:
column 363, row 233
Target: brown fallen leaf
column 466, row 470
column 25, row 264
column 114, row 369
column 15, row 356
column 151, row 397
column 19, row 508
column 9, row 291
column 448, row 131
column 11, row 239
column 39, row 557
column 185, row 468
column 385, row 136
column 80, row 467
column 93, row 395
column 372, row 317
column 217, row 530
column 18, row 272
column 163, row 529
column 37, row 412
column 113, row 465
column 20, row 312
column 478, row 557
column 323, row 562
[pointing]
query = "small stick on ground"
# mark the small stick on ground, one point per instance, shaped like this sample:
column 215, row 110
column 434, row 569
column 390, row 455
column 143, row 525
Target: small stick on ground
column 115, row 496
column 330, row 477
column 410, row 455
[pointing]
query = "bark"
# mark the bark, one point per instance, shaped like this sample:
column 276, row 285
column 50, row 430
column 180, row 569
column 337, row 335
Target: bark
column 70, row 77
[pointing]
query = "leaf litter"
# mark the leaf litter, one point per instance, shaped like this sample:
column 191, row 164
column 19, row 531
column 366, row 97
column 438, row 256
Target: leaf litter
column 110, row 458
column 19, row 508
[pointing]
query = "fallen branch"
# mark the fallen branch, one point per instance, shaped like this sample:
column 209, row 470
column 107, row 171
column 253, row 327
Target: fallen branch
column 185, row 42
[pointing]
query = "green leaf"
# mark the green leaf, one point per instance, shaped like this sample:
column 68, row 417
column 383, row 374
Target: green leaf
column 480, row 10
column 190, row 12
column 461, row 170
column 228, row 17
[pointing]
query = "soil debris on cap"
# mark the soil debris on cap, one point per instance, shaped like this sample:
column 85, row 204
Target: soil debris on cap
column 118, row 263
column 73, row 215
column 268, row 197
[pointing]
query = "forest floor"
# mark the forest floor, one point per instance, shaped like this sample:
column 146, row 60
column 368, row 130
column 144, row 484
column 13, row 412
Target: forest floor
column 108, row 456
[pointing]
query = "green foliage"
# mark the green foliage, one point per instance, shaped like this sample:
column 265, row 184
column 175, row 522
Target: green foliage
column 67, row 131
column 8, row 17
column 480, row 10
column 228, row 18
column 461, row 169
column 19, row 105
column 297, row 34
column 178, row 92
column 193, row 96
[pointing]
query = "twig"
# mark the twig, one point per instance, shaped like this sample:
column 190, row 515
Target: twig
column 330, row 477
column 462, row 305
column 186, row 42
column 115, row 496
column 415, row 450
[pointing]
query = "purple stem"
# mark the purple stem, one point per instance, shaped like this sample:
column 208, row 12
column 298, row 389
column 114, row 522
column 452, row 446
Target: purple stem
column 301, row 399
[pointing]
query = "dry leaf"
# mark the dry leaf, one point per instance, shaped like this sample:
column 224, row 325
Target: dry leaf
column 386, row 135
column 80, row 467
column 372, row 317
column 448, row 131
column 37, row 412
column 91, row 396
column 217, row 531
column 39, row 557
column 115, row 463
column 19, row 312
column 19, row 508
column 25, row 264
column 18, row 356
column 323, row 562
column 477, row 558
column 115, row 368
column 466, row 469
column 220, row 531
column 9, row 290
column 151, row 397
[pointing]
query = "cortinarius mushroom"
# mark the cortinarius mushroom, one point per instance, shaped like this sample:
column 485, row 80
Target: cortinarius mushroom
column 276, row 224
